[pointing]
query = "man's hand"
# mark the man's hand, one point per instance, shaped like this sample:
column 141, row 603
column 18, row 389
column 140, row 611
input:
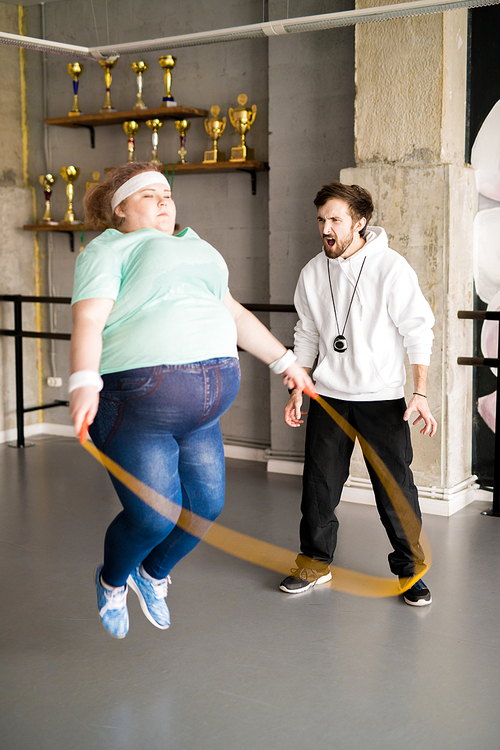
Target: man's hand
column 292, row 410
column 420, row 405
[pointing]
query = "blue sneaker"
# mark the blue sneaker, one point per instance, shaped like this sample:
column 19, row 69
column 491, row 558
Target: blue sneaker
column 112, row 607
column 152, row 597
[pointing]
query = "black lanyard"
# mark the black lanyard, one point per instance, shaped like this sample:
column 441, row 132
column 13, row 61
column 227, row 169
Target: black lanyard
column 340, row 341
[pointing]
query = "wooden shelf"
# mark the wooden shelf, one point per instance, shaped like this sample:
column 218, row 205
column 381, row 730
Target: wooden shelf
column 60, row 227
column 139, row 115
column 69, row 229
column 219, row 166
column 251, row 167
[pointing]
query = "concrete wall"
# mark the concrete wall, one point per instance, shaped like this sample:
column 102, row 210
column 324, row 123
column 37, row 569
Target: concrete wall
column 220, row 208
column 408, row 120
column 17, row 250
column 303, row 113
column 311, row 121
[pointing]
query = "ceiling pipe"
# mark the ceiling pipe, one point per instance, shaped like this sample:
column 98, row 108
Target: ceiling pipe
column 44, row 45
column 252, row 31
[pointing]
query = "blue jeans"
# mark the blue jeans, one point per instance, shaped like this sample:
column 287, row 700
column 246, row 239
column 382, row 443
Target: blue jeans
column 161, row 424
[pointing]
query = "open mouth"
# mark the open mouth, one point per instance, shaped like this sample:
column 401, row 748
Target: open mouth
column 330, row 242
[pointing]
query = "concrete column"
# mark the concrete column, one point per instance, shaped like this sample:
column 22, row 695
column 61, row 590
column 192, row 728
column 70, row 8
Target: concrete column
column 427, row 212
column 410, row 143
column 410, row 79
column 17, row 255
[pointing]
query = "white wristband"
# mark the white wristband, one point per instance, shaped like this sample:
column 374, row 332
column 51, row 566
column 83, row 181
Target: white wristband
column 85, row 377
column 280, row 365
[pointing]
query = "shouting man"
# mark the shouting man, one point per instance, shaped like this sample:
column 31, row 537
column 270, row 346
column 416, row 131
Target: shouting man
column 360, row 311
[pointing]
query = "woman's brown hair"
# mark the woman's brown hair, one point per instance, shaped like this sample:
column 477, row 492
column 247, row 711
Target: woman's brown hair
column 97, row 199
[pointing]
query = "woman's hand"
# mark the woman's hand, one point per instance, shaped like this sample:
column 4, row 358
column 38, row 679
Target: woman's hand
column 89, row 319
column 83, row 404
column 296, row 376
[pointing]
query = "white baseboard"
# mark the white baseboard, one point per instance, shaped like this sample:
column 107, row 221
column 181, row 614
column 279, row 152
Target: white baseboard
column 433, row 500
column 244, row 453
column 277, row 466
column 64, row 430
column 432, row 506
column 39, row 428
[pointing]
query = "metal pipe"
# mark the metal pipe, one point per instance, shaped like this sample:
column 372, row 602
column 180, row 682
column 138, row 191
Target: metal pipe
column 488, row 362
column 495, row 508
column 18, row 327
column 257, row 30
column 293, row 25
column 18, row 333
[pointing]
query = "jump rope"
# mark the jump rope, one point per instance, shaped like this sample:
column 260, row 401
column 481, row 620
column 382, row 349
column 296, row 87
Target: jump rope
column 268, row 555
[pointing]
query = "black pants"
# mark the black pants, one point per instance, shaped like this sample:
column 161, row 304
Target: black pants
column 327, row 457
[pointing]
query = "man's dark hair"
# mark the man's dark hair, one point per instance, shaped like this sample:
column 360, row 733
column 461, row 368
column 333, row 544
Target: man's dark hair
column 357, row 198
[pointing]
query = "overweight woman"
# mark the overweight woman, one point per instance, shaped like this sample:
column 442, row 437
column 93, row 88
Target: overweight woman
column 154, row 365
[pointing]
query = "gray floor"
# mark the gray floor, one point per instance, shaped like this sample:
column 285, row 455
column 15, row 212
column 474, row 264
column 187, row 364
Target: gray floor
column 243, row 666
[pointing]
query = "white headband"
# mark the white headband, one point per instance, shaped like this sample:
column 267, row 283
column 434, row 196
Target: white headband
column 141, row 180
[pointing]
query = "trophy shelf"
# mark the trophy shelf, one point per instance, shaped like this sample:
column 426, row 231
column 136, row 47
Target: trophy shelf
column 251, row 167
column 116, row 118
column 69, row 229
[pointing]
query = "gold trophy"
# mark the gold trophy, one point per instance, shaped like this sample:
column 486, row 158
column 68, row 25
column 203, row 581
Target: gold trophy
column 75, row 70
column 107, row 65
column 242, row 119
column 131, row 127
column 214, row 127
column 154, row 126
column 70, row 174
column 139, row 68
column 95, row 180
column 47, row 182
column 182, row 127
column 167, row 62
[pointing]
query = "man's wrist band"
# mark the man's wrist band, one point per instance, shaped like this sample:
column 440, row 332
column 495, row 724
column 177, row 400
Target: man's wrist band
column 281, row 364
column 419, row 394
column 82, row 378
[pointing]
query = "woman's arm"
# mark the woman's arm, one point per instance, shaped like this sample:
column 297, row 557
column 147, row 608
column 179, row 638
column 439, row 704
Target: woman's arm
column 89, row 319
column 256, row 339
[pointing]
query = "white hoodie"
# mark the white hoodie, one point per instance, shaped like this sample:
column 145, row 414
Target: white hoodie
column 389, row 315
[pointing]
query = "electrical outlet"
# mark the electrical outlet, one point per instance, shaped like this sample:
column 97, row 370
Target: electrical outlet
column 54, row 382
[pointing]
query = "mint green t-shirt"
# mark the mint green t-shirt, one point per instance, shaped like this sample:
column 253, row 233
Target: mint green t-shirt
column 168, row 292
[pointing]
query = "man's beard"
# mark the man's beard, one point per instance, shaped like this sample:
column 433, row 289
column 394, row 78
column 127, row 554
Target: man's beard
column 339, row 247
